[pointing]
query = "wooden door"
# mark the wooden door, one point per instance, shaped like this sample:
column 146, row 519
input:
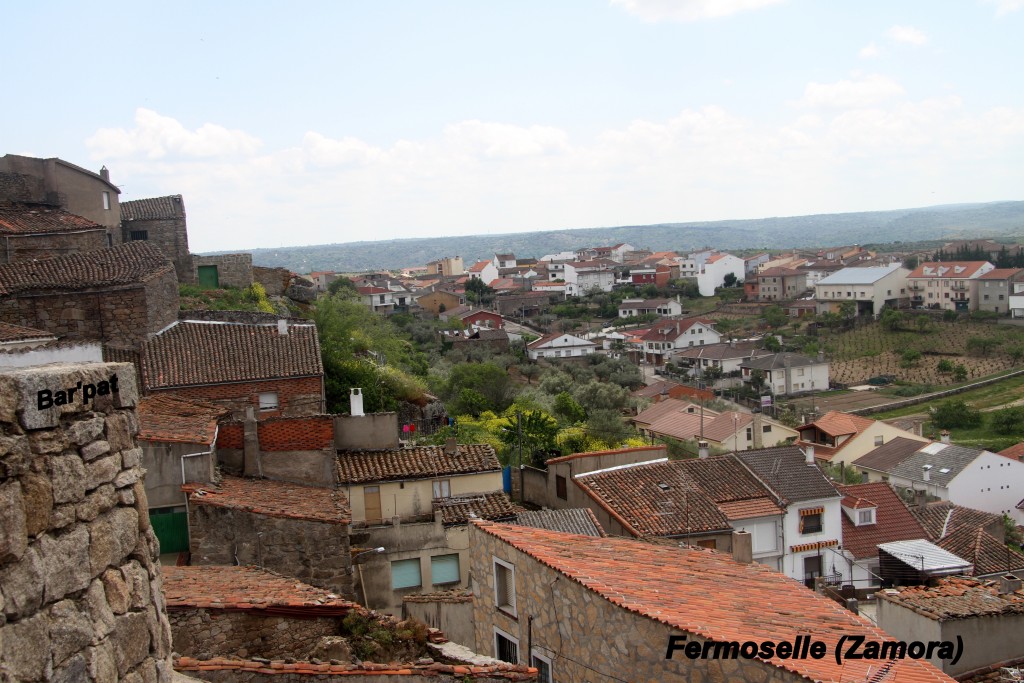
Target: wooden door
column 371, row 504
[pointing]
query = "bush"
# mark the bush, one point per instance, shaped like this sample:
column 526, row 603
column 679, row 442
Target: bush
column 1007, row 421
column 944, row 365
column 955, row 414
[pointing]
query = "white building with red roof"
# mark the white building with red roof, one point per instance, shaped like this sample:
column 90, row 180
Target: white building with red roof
column 666, row 336
column 485, row 271
column 946, row 284
column 560, row 345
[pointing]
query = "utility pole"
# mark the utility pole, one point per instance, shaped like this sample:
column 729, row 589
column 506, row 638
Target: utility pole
column 519, row 430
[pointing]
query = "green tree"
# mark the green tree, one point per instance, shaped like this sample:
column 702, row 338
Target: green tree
column 909, row 358
column 595, row 395
column 891, row 319
column 955, row 414
column 487, row 380
column 478, row 292
column 945, row 366
column 774, row 316
column 730, row 280
column 539, row 431
column 568, row 410
column 529, row 371
column 1007, row 421
column 923, row 323
column 608, row 426
column 772, row 343
column 981, row 346
column 343, row 287
column 959, row 373
column 848, row 310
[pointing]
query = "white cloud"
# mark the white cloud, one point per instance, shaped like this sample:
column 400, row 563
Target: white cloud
column 689, row 10
column 862, row 91
column 155, row 137
column 869, row 51
column 907, row 35
column 1005, row 6
column 496, row 140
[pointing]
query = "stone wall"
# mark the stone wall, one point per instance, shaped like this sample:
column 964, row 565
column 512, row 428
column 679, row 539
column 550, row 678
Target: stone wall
column 593, row 638
column 126, row 314
column 233, row 270
column 311, row 551
column 297, row 396
column 28, row 247
column 80, row 586
column 220, row 670
column 274, row 280
column 170, row 235
column 203, row 633
column 450, row 612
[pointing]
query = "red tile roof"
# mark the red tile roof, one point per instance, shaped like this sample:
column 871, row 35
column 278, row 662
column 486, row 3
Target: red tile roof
column 494, row 505
column 987, row 553
column 942, row 518
column 418, row 462
column 673, row 390
column 274, row 499
column 893, row 521
column 247, row 588
column 190, row 353
column 1015, row 452
column 955, row 598
column 670, row 330
column 19, row 333
column 135, row 262
column 952, row 270
column 168, row 418
column 709, row 594
column 836, row 423
column 28, row 219
column 778, row 271
column 659, row 451
column 1000, row 274
column 153, row 208
column 420, row 672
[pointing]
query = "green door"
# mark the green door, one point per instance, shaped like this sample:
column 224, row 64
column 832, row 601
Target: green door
column 171, row 528
column 208, row 277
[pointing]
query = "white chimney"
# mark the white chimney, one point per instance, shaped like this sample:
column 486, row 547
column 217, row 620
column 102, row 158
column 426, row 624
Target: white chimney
column 944, row 436
column 282, row 328
column 702, row 448
column 809, row 454
column 926, row 472
column 356, row 401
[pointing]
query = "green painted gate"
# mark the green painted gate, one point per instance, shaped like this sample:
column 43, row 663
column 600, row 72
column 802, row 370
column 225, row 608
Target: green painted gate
column 171, row 528
column 208, row 278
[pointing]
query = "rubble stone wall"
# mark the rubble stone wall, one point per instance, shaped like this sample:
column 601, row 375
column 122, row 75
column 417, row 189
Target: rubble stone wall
column 52, row 245
column 205, row 633
column 233, row 270
column 80, row 585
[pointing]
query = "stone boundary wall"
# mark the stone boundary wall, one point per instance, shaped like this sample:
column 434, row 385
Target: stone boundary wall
column 80, row 585
column 203, row 633
column 924, row 398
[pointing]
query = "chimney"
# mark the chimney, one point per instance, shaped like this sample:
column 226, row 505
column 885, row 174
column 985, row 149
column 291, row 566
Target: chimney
column 944, row 436
column 105, row 174
column 251, row 463
column 451, row 446
column 821, row 356
column 1008, row 583
column 282, row 327
column 809, row 454
column 742, row 547
column 926, row 472
column 702, row 448
column 356, row 402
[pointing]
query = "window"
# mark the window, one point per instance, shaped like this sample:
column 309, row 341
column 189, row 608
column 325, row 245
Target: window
column 506, row 648
column 811, row 523
column 505, row 586
column 268, row 400
column 560, row 487
column 138, row 235
column 543, row 666
column 765, row 429
column 750, row 433
column 443, row 488
column 405, row 574
column 444, row 569
column 879, row 440
column 106, row 201
column 866, row 516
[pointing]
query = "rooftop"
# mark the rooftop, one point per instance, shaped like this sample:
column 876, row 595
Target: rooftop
column 579, row 521
column 168, row 418
column 987, row 553
column 888, row 455
column 494, row 505
column 247, row 588
column 28, row 219
column 20, row 333
column 189, row 353
column 953, row 270
column 153, row 208
column 1000, row 274
column 273, row 499
column 925, row 556
column 131, row 263
column 723, row 351
column 942, row 518
column 418, row 462
column 836, row 423
column 893, row 521
column 955, row 598
column 943, row 463
column 670, row 330
column 784, row 470
column 777, row 361
column 673, row 389
column 859, row 276
column 707, row 593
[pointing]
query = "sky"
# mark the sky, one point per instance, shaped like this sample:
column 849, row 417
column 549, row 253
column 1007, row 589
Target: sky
column 304, row 122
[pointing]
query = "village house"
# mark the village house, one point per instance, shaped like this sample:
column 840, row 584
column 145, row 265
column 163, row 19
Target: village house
column 474, row 318
column 976, row 536
column 438, row 301
column 993, row 289
column 545, row 598
column 871, row 289
column 589, row 276
column 663, row 307
column 22, row 346
column 667, row 335
column 276, row 369
column 664, row 389
column 560, row 345
column 414, row 502
column 161, row 222
column 786, row 374
column 501, row 261
column 946, row 285
column 449, row 266
column 979, row 615
column 780, row 284
column 38, row 231
column 841, row 438
column 523, row 305
column 728, row 430
column 715, row 268
column 725, row 358
column 123, row 294
column 485, row 271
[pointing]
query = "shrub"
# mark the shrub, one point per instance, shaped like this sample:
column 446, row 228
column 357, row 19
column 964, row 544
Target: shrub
column 944, row 365
column 1007, row 421
column 955, row 414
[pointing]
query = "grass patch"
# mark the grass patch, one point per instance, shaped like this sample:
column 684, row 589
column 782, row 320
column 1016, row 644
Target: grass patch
column 977, row 437
column 991, row 396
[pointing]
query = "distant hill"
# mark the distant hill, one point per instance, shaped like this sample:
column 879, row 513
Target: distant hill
column 932, row 223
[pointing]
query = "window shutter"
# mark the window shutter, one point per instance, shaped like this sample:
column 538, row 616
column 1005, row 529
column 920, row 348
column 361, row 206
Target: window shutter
column 405, row 574
column 444, row 569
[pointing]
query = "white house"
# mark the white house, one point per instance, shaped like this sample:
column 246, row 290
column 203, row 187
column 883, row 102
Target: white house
column 590, row 275
column 716, row 266
column 665, row 336
column 504, row 261
column 558, row 345
column 870, row 288
column 789, row 373
column 483, row 271
column 633, row 307
column 947, row 285
column 1017, row 300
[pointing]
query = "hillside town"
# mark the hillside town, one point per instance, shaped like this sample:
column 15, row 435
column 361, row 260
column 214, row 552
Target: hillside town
column 603, row 464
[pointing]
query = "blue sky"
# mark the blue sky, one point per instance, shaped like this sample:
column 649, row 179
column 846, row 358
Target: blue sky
column 296, row 123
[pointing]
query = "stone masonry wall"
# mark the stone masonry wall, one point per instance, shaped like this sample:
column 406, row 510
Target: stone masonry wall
column 80, row 586
column 311, row 551
column 204, row 633
column 233, row 270
column 28, row 247
column 124, row 314
column 594, row 639
column 274, row 280
column 170, row 235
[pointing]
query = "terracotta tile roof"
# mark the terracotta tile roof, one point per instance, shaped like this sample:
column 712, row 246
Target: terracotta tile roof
column 190, row 353
column 372, row 290
column 1015, row 452
column 778, row 271
column 942, row 518
column 708, row 594
column 130, row 263
column 672, row 389
column 167, row 418
column 659, row 451
column 453, row 595
column 418, row 672
column 19, row 333
column 273, row 499
column 684, row 425
column 478, row 267
column 662, row 408
column 494, row 505
column 784, row 470
column 955, row 598
column 890, row 454
column 679, row 497
column 418, row 462
column 672, row 329
column 893, row 521
column 987, row 553
column 950, row 270
column 579, row 521
column 572, row 341
column 247, row 588
column 836, row 423
column 153, row 208
column 28, row 219
column 1000, row 274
